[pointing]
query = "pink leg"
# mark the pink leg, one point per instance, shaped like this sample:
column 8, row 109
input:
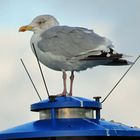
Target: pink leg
column 71, row 82
column 64, row 85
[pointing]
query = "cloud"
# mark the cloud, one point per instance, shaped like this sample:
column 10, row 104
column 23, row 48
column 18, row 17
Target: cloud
column 17, row 92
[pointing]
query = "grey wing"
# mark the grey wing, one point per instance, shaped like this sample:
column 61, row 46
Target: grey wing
column 72, row 42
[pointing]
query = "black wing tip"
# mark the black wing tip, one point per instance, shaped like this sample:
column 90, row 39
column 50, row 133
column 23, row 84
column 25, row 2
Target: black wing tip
column 119, row 62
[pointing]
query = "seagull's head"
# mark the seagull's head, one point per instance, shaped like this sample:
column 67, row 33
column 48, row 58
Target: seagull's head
column 40, row 23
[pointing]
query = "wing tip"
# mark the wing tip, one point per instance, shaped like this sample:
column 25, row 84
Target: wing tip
column 119, row 62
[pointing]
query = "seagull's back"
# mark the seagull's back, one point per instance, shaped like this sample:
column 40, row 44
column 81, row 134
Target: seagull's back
column 71, row 41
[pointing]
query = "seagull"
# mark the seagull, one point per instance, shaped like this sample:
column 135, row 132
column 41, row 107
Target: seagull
column 64, row 48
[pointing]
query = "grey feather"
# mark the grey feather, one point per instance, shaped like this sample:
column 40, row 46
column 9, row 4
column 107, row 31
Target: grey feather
column 71, row 42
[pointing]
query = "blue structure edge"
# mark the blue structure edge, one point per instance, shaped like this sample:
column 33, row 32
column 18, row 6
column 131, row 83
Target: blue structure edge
column 61, row 127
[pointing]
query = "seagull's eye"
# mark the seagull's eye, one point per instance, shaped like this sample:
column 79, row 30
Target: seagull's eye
column 41, row 22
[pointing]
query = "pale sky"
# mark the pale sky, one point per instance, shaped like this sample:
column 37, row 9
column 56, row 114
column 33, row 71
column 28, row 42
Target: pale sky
column 118, row 20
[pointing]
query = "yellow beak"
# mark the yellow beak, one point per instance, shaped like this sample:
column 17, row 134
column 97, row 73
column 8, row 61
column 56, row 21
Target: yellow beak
column 25, row 28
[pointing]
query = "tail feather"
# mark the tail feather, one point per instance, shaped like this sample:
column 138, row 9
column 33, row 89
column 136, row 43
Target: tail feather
column 110, row 57
column 118, row 62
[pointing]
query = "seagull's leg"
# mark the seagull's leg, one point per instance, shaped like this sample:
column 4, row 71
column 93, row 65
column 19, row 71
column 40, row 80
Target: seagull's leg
column 64, row 77
column 71, row 82
column 64, row 83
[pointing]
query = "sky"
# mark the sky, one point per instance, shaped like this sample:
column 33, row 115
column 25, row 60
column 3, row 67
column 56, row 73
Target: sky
column 115, row 19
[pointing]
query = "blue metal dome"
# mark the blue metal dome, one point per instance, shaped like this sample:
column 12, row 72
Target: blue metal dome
column 69, row 117
column 66, row 101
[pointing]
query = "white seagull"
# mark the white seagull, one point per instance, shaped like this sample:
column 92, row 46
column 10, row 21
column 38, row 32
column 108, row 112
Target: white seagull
column 65, row 48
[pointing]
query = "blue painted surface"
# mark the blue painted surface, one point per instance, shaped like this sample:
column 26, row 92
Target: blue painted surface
column 68, row 127
column 67, row 101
